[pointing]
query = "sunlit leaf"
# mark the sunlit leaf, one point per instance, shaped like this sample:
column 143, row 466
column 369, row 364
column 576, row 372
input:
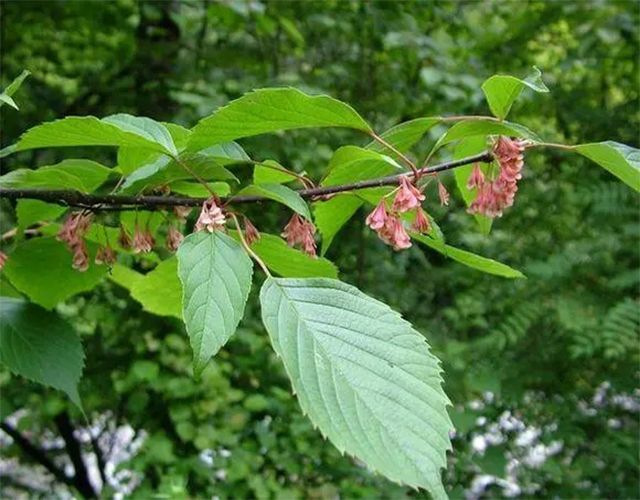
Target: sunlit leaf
column 469, row 259
column 621, row 160
column 269, row 110
column 502, row 90
column 41, row 269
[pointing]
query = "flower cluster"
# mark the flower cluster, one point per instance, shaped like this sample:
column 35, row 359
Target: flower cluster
column 174, row 238
column 72, row 233
column 105, row 255
column 211, row 216
column 143, row 240
column 3, row 259
column 493, row 196
column 388, row 224
column 299, row 231
column 251, row 234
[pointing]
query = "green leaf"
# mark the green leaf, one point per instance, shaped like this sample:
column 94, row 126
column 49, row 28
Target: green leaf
column 404, row 135
column 80, row 175
column 30, row 212
column 41, row 269
column 197, row 190
column 40, row 346
column 226, row 153
column 468, row 147
column 290, row 262
column 269, row 110
column 271, row 172
column 216, row 278
column 117, row 130
column 133, row 158
column 124, row 276
column 621, row 160
column 351, row 163
column 332, row 214
column 470, row 128
column 5, row 96
column 469, row 259
column 165, row 170
column 144, row 127
column 160, row 291
column 281, row 194
column 502, row 90
column 363, row 375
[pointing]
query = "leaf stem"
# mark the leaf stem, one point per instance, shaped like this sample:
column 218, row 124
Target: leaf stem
column 247, row 247
column 389, row 146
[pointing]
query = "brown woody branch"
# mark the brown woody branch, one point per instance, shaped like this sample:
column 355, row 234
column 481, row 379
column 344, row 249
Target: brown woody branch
column 106, row 202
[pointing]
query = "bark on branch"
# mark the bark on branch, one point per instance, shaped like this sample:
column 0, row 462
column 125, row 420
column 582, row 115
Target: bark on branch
column 106, row 202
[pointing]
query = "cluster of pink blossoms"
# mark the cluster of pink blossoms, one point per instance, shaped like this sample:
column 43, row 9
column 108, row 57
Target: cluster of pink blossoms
column 300, row 231
column 493, row 196
column 212, row 218
column 388, row 224
column 72, row 233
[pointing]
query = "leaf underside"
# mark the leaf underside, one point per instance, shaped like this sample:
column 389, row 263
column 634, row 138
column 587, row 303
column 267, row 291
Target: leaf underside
column 363, row 375
column 216, row 279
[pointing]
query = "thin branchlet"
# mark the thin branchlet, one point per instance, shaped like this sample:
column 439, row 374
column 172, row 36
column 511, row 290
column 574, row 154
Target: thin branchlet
column 117, row 202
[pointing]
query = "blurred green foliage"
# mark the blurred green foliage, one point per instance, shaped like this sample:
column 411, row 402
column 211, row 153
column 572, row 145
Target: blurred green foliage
column 541, row 346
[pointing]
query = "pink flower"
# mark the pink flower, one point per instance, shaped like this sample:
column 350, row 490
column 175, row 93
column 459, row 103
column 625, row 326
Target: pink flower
column 393, row 233
column 80, row 259
column 443, row 194
column 299, row 231
column 3, row 259
column 421, row 223
column 211, row 216
column 143, row 241
column 476, row 179
column 174, row 238
column 397, row 235
column 494, row 196
column 251, row 234
column 408, row 196
column 74, row 228
column 376, row 219
column 124, row 240
column 105, row 255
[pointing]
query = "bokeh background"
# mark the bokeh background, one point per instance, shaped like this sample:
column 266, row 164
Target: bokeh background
column 543, row 372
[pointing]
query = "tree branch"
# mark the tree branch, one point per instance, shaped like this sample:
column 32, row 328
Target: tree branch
column 36, row 454
column 107, row 202
column 81, row 478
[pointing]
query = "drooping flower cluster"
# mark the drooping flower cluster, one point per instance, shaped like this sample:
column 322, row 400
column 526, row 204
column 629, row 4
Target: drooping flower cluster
column 72, row 233
column 251, row 234
column 299, row 231
column 174, row 238
column 493, row 196
column 211, row 216
column 143, row 240
column 388, row 224
column 105, row 255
